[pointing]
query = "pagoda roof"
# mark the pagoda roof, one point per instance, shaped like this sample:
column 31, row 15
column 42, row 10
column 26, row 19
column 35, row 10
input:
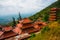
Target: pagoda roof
column 7, row 35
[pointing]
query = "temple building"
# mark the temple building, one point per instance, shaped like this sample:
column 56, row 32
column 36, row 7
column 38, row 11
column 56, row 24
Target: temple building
column 27, row 26
column 24, row 26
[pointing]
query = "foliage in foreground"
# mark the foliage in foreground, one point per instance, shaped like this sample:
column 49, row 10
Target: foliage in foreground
column 49, row 33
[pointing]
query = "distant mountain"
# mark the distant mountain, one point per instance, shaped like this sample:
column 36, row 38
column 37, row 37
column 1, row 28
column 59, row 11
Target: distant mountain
column 7, row 19
column 45, row 11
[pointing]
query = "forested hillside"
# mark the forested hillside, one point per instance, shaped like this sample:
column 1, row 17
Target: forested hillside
column 44, row 13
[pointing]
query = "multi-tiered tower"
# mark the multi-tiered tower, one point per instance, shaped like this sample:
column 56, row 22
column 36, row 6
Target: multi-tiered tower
column 52, row 14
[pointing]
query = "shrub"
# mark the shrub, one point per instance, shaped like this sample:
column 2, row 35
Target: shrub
column 53, row 24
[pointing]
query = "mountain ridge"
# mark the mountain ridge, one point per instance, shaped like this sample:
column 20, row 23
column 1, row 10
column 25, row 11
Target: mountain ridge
column 43, row 12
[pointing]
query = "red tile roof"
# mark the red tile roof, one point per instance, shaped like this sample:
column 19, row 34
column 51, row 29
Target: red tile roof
column 40, row 23
column 51, row 19
column 44, row 24
column 7, row 35
column 53, row 9
column 27, row 25
column 17, row 30
column 19, row 25
column 30, row 30
column 36, row 26
column 7, row 28
column 26, row 20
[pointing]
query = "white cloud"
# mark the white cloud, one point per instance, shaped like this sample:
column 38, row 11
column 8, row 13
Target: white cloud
column 24, row 6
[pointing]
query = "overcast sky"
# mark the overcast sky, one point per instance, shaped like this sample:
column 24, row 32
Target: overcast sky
column 8, row 7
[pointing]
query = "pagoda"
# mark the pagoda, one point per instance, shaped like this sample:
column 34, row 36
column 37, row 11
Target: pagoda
column 54, row 14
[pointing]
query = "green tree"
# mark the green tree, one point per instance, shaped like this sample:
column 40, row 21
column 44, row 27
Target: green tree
column 0, row 29
column 58, row 4
column 19, row 18
column 46, row 16
column 32, row 36
column 14, row 22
